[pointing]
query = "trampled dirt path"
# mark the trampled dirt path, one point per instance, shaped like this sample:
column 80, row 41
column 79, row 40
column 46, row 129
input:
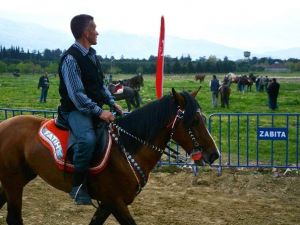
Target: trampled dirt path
column 235, row 198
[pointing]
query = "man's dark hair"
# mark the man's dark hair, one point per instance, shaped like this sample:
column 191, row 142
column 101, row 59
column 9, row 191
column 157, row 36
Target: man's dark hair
column 79, row 23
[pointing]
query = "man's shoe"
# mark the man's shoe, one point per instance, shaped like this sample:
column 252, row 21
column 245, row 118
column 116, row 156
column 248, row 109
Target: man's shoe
column 80, row 195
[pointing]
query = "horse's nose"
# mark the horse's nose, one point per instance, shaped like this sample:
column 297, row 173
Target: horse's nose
column 214, row 156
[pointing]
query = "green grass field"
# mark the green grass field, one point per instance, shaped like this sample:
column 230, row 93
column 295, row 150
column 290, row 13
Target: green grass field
column 22, row 93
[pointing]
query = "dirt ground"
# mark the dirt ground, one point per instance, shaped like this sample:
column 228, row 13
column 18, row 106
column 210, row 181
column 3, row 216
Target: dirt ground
column 235, row 198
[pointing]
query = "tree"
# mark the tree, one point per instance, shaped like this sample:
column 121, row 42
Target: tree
column 211, row 64
column 176, row 67
column 52, row 68
column 3, row 67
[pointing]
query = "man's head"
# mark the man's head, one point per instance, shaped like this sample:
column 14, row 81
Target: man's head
column 84, row 27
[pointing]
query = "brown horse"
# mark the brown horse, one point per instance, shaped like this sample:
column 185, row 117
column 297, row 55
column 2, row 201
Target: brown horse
column 224, row 91
column 200, row 77
column 135, row 82
column 130, row 95
column 139, row 137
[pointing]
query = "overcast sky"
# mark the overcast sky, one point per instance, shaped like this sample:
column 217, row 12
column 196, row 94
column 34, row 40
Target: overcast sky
column 254, row 25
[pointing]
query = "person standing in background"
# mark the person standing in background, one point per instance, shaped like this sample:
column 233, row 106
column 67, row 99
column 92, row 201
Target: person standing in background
column 44, row 86
column 273, row 91
column 214, row 88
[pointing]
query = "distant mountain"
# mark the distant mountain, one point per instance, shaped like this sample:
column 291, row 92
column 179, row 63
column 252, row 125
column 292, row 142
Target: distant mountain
column 112, row 43
column 285, row 53
column 32, row 36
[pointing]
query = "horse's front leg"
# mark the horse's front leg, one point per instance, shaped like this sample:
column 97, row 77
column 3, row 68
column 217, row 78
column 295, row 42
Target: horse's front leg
column 128, row 104
column 122, row 214
column 100, row 216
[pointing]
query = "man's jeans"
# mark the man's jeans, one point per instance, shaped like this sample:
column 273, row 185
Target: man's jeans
column 82, row 129
column 44, row 93
column 214, row 98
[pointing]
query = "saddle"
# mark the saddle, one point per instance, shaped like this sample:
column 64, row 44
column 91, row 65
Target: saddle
column 59, row 142
column 119, row 88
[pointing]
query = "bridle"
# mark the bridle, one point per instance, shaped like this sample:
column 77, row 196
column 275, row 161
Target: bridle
column 173, row 124
column 179, row 116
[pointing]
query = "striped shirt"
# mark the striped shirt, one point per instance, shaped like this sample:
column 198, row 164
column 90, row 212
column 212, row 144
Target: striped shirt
column 72, row 78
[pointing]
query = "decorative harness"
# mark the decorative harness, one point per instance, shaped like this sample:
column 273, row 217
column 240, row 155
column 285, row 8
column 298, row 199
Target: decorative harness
column 135, row 167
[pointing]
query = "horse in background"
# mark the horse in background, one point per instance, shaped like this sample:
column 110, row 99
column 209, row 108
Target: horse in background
column 224, row 92
column 233, row 78
column 242, row 81
column 200, row 77
column 252, row 80
column 135, row 82
column 130, row 95
column 245, row 81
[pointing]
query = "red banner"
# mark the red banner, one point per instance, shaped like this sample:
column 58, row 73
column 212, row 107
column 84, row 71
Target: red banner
column 160, row 60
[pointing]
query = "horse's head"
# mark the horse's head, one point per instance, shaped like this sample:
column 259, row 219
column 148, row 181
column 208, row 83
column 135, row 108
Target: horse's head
column 137, row 82
column 189, row 130
column 140, row 80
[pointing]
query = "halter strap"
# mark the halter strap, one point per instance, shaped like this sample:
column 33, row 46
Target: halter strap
column 179, row 116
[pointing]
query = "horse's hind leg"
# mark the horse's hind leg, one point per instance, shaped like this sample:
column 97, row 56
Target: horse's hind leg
column 13, row 192
column 13, row 183
column 227, row 102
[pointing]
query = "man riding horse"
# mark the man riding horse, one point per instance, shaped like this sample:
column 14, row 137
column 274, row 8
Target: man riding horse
column 82, row 93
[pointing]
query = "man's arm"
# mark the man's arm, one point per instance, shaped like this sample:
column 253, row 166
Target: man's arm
column 75, row 88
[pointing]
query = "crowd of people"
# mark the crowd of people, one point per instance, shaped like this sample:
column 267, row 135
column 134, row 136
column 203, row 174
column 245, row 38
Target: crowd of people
column 262, row 84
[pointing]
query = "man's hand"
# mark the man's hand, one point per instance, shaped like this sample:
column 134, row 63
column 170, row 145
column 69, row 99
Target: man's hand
column 107, row 116
column 118, row 109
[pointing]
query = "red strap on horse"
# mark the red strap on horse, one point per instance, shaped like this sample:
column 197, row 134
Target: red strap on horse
column 196, row 155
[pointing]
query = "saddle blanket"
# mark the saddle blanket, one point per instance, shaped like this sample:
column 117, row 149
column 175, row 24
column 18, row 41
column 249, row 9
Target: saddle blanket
column 119, row 89
column 56, row 141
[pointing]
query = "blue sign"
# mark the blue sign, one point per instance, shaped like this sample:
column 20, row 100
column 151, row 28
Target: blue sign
column 272, row 133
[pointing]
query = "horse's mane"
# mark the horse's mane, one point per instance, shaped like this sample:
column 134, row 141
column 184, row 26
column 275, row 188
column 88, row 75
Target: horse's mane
column 146, row 122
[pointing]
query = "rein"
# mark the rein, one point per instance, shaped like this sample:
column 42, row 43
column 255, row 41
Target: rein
column 135, row 167
column 120, row 129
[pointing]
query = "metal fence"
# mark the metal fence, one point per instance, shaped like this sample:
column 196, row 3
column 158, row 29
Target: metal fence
column 6, row 113
column 256, row 139
column 251, row 140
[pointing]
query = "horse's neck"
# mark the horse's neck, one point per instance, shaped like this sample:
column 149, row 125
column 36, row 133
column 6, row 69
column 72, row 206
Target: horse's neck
column 149, row 156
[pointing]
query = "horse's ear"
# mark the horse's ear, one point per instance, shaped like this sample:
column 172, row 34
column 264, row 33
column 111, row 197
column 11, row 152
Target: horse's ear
column 194, row 93
column 178, row 98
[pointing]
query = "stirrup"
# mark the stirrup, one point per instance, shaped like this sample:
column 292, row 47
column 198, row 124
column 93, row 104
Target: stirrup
column 80, row 195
